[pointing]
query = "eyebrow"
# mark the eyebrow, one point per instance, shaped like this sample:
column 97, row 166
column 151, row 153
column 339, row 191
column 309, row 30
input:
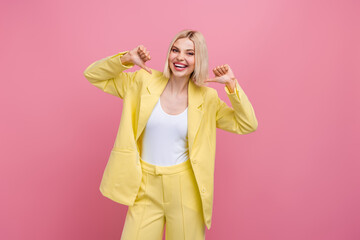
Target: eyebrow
column 186, row 49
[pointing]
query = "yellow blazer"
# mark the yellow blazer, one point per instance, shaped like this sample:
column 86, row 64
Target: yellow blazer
column 140, row 91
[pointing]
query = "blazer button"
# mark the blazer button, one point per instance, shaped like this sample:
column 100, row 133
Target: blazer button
column 194, row 161
column 203, row 189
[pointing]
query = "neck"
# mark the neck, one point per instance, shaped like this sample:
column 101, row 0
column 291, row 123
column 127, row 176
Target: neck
column 178, row 85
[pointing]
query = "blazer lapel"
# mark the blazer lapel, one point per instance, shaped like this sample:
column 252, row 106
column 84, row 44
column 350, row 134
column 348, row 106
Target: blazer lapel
column 195, row 112
column 155, row 87
column 149, row 99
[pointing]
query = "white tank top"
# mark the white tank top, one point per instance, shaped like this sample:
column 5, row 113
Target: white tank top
column 165, row 141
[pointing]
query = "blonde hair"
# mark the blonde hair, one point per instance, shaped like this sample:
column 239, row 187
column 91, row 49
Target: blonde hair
column 200, row 73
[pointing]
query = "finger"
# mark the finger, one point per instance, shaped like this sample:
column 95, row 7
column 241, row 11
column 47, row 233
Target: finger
column 219, row 69
column 225, row 68
column 216, row 72
column 222, row 70
column 144, row 50
column 141, row 49
column 146, row 57
column 142, row 55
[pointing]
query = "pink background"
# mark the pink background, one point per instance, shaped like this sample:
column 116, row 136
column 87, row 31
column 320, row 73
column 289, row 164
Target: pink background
column 295, row 178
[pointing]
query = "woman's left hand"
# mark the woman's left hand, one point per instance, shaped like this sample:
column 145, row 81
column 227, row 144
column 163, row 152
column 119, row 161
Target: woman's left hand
column 224, row 75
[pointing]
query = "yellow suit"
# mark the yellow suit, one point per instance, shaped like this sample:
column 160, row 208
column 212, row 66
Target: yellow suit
column 140, row 91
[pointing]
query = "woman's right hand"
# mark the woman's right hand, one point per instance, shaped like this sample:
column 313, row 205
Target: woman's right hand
column 137, row 56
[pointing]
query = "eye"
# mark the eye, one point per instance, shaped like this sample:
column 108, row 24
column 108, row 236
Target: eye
column 174, row 50
column 191, row 53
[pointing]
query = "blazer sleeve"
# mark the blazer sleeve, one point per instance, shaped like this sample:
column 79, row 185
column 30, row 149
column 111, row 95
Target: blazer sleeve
column 107, row 74
column 240, row 118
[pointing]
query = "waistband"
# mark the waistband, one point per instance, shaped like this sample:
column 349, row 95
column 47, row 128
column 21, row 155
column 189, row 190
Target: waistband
column 158, row 170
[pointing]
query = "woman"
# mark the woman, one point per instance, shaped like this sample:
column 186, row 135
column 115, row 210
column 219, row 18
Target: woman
column 162, row 162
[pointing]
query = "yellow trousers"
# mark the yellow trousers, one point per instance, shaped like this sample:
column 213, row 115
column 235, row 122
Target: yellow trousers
column 168, row 196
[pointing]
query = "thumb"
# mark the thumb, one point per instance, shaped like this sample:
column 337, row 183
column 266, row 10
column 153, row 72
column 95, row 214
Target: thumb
column 210, row 80
column 146, row 68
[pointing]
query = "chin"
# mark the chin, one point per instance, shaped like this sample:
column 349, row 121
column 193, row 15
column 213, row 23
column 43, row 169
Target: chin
column 181, row 75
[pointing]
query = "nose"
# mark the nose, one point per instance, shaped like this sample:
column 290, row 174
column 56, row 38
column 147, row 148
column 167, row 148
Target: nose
column 180, row 57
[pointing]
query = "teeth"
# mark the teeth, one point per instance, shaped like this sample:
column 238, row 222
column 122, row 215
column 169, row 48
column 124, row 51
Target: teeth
column 181, row 66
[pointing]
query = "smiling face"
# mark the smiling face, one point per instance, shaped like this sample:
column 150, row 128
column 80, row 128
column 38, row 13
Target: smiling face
column 182, row 58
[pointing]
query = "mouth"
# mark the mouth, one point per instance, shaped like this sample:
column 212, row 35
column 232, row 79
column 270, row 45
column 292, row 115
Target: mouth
column 179, row 66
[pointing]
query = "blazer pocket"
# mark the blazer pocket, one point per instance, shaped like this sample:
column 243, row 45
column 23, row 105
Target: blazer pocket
column 122, row 170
